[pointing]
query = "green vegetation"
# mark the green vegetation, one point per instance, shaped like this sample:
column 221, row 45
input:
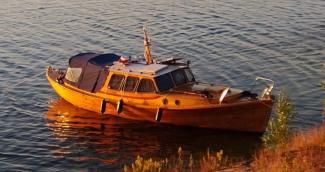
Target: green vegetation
column 147, row 165
column 209, row 162
column 278, row 130
column 212, row 162
column 304, row 151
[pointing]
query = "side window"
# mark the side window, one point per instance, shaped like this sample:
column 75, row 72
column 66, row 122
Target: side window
column 131, row 83
column 146, row 85
column 116, row 81
column 189, row 75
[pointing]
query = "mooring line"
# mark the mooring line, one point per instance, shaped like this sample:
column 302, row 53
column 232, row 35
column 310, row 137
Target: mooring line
column 11, row 87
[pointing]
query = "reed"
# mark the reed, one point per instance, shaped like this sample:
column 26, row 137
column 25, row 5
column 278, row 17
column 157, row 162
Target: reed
column 147, row 165
column 278, row 130
column 305, row 151
column 208, row 162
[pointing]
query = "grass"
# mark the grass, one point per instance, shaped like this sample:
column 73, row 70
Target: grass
column 304, row 152
column 147, row 165
column 208, row 162
column 278, row 130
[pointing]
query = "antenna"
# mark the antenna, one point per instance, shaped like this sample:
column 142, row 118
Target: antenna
column 146, row 42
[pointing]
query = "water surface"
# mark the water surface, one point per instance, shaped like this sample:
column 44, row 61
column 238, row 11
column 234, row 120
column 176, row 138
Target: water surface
column 228, row 42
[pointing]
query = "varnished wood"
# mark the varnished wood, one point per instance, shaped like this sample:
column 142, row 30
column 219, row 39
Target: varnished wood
column 178, row 107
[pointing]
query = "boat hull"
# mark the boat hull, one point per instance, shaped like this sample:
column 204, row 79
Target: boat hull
column 245, row 116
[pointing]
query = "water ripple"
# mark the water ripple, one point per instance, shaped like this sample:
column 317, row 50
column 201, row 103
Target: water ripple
column 233, row 41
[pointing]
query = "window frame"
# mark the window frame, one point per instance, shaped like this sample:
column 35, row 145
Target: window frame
column 136, row 84
column 184, row 75
column 171, row 79
column 153, row 84
column 190, row 71
column 121, row 83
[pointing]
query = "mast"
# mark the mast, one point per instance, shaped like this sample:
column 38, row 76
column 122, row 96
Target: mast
column 146, row 42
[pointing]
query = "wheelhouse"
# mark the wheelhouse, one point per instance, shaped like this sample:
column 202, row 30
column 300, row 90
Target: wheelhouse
column 134, row 82
column 110, row 72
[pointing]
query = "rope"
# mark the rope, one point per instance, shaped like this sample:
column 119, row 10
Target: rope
column 10, row 87
column 7, row 89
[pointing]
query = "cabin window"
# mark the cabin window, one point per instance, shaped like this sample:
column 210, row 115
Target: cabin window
column 131, row 83
column 115, row 82
column 189, row 75
column 179, row 77
column 164, row 82
column 146, row 85
column 73, row 74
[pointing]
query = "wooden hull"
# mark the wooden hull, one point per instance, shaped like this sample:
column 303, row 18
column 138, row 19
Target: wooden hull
column 246, row 116
column 250, row 117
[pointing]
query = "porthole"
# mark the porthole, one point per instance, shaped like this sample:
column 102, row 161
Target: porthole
column 165, row 101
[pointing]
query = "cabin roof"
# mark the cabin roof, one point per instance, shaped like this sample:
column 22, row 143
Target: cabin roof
column 143, row 69
column 93, row 62
column 80, row 60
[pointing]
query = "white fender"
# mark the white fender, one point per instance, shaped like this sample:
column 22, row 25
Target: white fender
column 119, row 106
column 223, row 94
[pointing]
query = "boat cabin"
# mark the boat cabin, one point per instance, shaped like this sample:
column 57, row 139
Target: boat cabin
column 112, row 73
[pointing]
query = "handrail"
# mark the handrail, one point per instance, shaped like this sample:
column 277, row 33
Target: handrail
column 267, row 90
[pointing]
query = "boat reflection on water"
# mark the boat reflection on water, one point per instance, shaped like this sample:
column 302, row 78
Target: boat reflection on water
column 105, row 139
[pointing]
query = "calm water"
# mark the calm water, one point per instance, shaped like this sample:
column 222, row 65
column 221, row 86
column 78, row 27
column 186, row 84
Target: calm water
column 228, row 42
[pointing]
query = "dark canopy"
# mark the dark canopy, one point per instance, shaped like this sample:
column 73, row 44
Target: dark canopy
column 93, row 71
column 80, row 60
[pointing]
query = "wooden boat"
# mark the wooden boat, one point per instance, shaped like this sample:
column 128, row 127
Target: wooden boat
column 158, row 91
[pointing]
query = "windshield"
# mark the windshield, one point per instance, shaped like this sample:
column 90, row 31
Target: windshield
column 164, row 82
column 179, row 77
